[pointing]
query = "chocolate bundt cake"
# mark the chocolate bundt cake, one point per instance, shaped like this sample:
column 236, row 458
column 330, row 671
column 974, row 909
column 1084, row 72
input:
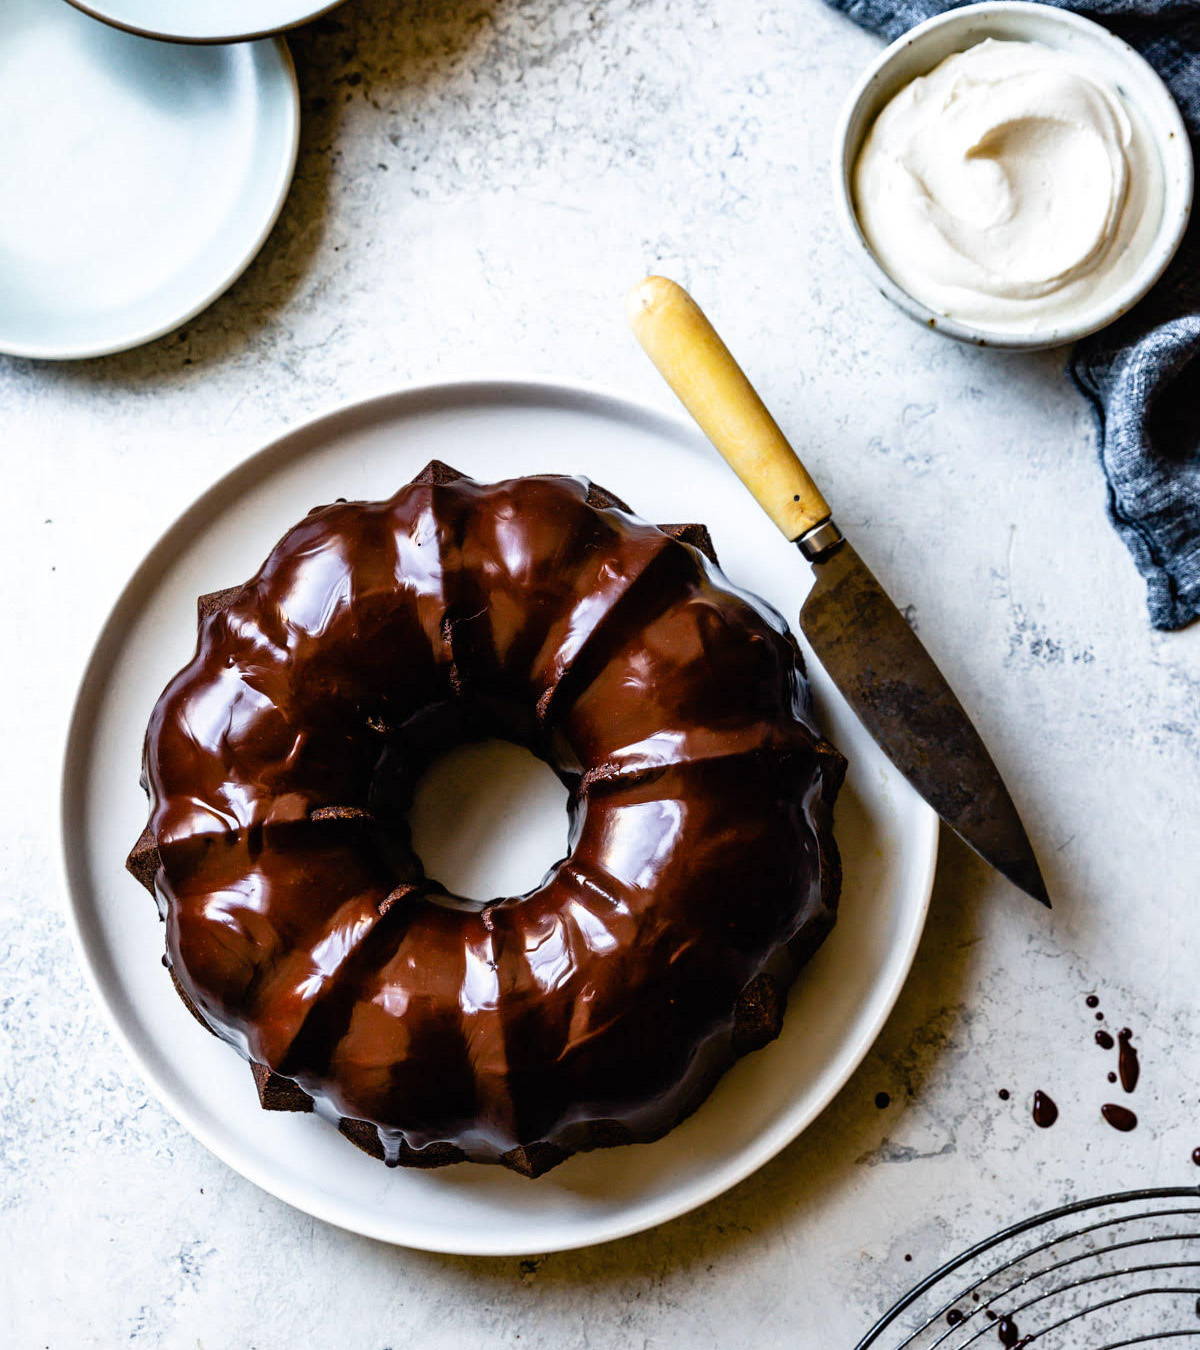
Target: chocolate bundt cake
column 601, row 1007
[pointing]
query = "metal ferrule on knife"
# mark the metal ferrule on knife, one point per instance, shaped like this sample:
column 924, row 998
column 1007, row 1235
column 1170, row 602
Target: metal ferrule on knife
column 818, row 543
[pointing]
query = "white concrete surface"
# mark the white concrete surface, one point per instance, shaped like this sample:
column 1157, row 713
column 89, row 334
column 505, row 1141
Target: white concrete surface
column 479, row 183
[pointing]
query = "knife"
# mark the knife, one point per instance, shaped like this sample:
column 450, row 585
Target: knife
column 860, row 637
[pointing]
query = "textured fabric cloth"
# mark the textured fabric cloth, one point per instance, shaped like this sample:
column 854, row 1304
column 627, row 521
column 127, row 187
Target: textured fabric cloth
column 1142, row 374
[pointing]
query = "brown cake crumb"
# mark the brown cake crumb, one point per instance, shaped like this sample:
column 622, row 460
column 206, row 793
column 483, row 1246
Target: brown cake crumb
column 216, row 601
column 276, row 1093
column 143, row 861
column 695, row 534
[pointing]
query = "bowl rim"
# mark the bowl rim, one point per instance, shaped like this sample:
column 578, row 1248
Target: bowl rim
column 1164, row 125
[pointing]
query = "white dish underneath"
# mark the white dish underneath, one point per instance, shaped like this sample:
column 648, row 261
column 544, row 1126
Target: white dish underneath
column 665, row 469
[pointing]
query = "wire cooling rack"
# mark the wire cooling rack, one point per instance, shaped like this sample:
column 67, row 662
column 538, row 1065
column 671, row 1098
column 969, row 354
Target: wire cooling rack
column 1100, row 1274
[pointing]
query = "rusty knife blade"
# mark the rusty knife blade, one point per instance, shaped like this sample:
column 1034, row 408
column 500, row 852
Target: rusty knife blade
column 890, row 680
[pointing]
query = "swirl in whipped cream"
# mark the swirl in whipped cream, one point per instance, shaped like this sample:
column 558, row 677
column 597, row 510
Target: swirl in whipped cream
column 1011, row 188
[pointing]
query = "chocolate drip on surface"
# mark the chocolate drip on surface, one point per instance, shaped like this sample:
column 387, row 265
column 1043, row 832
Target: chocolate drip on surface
column 517, row 1029
column 1119, row 1117
column 1006, row 1329
column 1045, row 1112
column 1128, row 1065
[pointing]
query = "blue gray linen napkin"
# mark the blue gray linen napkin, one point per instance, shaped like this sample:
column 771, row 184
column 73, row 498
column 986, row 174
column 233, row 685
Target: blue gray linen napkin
column 1142, row 374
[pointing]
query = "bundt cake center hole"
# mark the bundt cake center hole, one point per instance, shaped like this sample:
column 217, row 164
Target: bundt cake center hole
column 489, row 820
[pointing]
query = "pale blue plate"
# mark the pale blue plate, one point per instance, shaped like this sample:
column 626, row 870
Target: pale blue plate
column 140, row 178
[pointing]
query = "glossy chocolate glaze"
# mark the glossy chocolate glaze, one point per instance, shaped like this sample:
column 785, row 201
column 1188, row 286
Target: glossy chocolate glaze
column 601, row 1006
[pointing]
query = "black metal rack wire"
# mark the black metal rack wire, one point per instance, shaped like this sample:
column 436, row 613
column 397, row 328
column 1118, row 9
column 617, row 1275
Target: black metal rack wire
column 1101, row 1274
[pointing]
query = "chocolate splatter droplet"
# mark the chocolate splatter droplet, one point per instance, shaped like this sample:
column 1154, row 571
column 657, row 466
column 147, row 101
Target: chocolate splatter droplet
column 1099, row 1017
column 1112, row 1077
column 954, row 1317
column 1092, row 1001
column 1004, row 1094
column 882, row 1100
column 1127, row 1063
column 1006, row 1329
column 1196, row 1160
column 1045, row 1112
column 1119, row 1117
column 1104, row 1040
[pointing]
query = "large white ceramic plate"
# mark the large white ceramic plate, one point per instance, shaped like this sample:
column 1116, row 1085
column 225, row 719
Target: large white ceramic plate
column 140, row 178
column 490, row 429
column 206, row 20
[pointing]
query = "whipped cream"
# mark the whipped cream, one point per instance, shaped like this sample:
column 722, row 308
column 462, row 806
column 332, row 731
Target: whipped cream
column 1011, row 188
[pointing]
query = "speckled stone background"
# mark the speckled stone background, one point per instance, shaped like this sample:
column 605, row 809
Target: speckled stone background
column 479, row 182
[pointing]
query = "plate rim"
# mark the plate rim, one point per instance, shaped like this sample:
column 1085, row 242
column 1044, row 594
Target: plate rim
column 257, row 53
column 71, row 795
column 89, row 9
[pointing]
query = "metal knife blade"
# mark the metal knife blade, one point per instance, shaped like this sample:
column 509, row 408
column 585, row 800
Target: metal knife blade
column 883, row 671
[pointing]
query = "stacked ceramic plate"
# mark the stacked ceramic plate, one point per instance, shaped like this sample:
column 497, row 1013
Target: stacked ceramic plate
column 213, row 21
column 133, row 204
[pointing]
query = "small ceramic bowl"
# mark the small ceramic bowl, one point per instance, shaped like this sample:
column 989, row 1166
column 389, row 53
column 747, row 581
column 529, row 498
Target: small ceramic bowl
column 923, row 47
